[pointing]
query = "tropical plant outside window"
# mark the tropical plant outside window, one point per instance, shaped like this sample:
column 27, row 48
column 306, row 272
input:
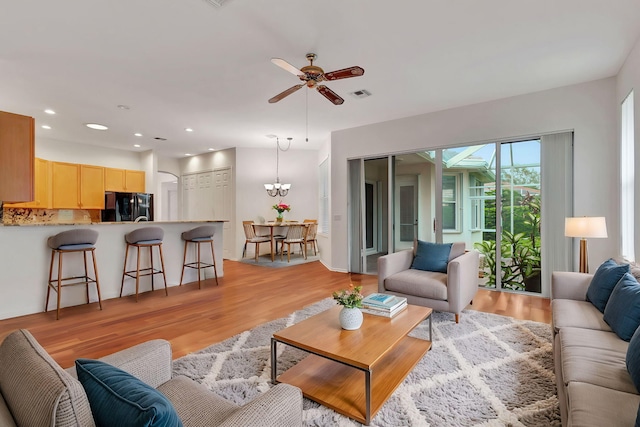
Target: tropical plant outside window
column 520, row 260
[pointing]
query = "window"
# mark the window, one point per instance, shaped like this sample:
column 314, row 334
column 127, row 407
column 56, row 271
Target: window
column 476, row 196
column 323, row 192
column 450, row 202
column 627, row 178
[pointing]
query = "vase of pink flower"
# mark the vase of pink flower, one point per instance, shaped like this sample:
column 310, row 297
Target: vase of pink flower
column 281, row 208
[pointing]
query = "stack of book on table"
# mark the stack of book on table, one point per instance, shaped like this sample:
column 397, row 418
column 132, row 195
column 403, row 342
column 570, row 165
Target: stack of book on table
column 383, row 304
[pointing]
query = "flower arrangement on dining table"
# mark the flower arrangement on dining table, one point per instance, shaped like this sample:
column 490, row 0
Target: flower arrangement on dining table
column 281, row 207
column 349, row 298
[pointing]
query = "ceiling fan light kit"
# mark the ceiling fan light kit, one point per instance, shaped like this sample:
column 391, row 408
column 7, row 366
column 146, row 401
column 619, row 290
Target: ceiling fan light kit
column 312, row 75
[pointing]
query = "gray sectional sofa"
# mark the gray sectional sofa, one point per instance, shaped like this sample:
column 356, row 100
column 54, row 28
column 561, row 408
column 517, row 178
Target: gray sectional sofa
column 594, row 385
column 36, row 392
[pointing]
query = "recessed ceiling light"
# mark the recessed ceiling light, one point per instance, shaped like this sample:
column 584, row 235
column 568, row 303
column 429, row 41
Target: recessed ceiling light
column 96, row 126
column 136, row 145
column 48, row 111
column 137, row 134
column 188, row 129
column 271, row 136
column 46, row 127
column 123, row 107
column 187, row 154
column 212, row 149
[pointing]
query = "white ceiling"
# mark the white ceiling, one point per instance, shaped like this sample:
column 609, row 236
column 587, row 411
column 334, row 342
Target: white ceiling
column 185, row 63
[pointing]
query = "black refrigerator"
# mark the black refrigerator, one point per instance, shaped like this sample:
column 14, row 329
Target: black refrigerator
column 120, row 207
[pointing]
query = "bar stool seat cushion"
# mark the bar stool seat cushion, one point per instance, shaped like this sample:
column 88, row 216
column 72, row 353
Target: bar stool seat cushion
column 80, row 236
column 76, row 247
column 145, row 234
column 148, row 242
column 199, row 234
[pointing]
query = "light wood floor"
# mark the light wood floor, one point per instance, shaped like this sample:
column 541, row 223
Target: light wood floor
column 193, row 318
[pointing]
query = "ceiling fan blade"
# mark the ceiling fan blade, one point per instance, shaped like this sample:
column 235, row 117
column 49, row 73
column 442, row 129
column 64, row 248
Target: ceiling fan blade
column 329, row 94
column 286, row 93
column 286, row 66
column 345, row 73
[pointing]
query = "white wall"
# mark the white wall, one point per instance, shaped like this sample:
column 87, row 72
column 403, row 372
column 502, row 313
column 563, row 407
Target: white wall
column 589, row 109
column 62, row 151
column 629, row 79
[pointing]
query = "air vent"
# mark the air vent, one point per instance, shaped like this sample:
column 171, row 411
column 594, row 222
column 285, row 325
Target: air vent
column 216, row 3
column 362, row 93
column 157, row 138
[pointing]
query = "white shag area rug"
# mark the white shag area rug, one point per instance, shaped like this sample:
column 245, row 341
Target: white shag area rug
column 488, row 370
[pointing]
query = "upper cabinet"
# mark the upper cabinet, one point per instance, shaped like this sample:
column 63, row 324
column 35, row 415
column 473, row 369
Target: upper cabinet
column 65, row 185
column 91, row 187
column 16, row 157
column 42, row 199
column 76, row 186
column 124, row 180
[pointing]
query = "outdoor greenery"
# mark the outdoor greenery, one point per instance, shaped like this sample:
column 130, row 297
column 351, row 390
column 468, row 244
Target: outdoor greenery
column 520, row 245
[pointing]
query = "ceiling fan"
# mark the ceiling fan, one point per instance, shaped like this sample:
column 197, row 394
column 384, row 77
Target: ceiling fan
column 311, row 75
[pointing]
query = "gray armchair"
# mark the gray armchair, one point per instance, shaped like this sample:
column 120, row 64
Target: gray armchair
column 36, row 391
column 451, row 291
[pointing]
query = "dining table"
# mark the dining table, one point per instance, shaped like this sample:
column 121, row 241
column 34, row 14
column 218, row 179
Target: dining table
column 272, row 226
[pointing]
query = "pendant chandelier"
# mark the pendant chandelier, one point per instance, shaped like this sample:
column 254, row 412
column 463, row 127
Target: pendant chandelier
column 278, row 189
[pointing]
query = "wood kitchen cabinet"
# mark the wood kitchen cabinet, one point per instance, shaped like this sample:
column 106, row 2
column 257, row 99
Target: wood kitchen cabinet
column 91, row 187
column 42, row 178
column 124, row 180
column 16, row 157
column 76, row 186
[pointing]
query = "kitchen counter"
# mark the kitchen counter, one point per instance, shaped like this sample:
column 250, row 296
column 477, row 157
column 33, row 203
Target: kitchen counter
column 88, row 224
column 25, row 259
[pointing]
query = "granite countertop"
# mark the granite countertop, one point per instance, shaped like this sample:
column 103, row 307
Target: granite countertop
column 112, row 223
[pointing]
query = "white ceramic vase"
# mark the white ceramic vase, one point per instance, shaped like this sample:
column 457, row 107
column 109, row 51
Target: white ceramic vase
column 350, row 318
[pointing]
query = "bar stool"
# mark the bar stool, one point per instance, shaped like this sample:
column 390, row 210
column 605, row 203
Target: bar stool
column 198, row 235
column 146, row 237
column 79, row 240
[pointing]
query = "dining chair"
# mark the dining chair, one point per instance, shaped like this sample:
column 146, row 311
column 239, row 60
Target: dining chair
column 312, row 230
column 296, row 234
column 251, row 237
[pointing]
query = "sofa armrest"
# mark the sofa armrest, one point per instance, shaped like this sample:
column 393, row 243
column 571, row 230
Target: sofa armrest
column 150, row 362
column 462, row 280
column 391, row 264
column 280, row 406
column 570, row 285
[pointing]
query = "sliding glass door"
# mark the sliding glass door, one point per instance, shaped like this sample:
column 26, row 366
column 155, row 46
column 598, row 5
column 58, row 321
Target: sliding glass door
column 451, row 195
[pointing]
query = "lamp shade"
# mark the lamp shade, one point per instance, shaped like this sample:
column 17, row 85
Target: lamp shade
column 585, row 227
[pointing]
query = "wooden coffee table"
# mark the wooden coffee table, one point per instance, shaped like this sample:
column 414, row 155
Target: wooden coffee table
column 352, row 372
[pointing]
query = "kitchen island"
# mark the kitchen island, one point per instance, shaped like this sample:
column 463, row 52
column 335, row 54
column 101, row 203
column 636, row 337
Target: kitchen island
column 25, row 259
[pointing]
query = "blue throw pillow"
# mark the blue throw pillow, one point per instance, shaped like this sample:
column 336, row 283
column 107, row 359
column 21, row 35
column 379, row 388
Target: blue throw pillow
column 603, row 282
column 622, row 312
column 117, row 398
column 432, row 256
column 633, row 359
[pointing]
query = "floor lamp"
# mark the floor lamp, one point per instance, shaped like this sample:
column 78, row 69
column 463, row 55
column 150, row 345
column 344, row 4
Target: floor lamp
column 585, row 227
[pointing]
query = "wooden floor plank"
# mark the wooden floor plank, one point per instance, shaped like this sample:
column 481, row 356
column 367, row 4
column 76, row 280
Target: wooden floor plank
column 192, row 318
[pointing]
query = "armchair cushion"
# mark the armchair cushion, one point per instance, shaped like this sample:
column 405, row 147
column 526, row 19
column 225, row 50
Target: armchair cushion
column 425, row 284
column 431, row 256
column 118, row 398
column 603, row 282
